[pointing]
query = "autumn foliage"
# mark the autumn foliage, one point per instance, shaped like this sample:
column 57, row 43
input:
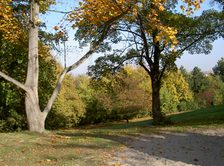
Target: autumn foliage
column 9, row 26
column 99, row 12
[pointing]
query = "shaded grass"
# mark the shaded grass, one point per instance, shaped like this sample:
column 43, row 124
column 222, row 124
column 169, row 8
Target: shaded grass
column 207, row 116
column 92, row 145
column 211, row 116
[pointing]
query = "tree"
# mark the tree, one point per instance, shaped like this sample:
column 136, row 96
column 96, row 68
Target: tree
column 107, row 97
column 198, row 80
column 68, row 108
column 131, row 93
column 185, row 73
column 9, row 28
column 12, row 110
column 84, row 90
column 221, row 3
column 212, row 93
column 217, row 86
column 219, row 69
column 175, row 92
column 122, row 95
column 35, row 117
column 156, row 45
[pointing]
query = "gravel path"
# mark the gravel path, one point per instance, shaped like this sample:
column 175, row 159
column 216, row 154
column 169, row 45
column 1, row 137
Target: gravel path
column 204, row 148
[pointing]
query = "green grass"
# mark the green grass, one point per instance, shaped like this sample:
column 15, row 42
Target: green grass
column 207, row 116
column 53, row 149
column 92, row 145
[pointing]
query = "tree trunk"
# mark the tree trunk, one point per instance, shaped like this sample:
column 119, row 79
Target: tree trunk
column 156, row 110
column 35, row 117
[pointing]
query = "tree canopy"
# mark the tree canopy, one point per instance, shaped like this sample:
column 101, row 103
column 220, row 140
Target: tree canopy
column 219, row 69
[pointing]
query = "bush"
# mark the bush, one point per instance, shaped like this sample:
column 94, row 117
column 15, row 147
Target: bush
column 187, row 106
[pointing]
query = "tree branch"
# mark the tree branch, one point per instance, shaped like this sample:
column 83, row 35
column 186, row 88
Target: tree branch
column 145, row 68
column 55, row 92
column 141, row 63
column 126, row 30
column 146, row 47
column 162, row 72
column 57, row 11
column 126, row 59
column 73, row 66
column 93, row 48
column 10, row 79
column 188, row 46
column 62, row 75
column 91, row 51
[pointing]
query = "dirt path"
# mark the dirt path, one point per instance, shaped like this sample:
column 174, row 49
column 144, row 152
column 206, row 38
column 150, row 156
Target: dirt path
column 204, row 148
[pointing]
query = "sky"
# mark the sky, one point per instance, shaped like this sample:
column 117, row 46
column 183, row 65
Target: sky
column 205, row 62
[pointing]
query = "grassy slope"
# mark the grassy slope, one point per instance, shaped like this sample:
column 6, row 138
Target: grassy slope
column 203, row 116
column 91, row 145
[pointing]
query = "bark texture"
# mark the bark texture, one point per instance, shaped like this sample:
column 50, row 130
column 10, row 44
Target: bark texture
column 156, row 110
column 35, row 118
column 34, row 115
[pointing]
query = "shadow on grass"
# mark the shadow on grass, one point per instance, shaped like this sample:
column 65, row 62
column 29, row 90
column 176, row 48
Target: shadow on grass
column 190, row 148
column 79, row 146
column 209, row 116
column 144, row 123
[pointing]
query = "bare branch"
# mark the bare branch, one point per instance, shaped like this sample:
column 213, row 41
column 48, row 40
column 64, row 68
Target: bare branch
column 146, row 47
column 10, row 79
column 62, row 12
column 130, row 31
column 62, row 75
column 73, row 66
column 91, row 51
column 55, row 92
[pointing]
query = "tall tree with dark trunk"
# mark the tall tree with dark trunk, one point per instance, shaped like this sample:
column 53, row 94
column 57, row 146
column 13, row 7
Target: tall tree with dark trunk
column 156, row 49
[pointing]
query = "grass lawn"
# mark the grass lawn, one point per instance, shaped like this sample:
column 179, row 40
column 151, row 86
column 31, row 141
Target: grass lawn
column 92, row 145
column 212, row 115
column 53, row 149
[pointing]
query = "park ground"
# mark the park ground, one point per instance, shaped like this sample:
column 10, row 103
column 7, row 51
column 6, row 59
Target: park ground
column 195, row 138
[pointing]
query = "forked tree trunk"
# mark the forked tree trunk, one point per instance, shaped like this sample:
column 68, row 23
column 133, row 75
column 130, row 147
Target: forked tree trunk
column 35, row 118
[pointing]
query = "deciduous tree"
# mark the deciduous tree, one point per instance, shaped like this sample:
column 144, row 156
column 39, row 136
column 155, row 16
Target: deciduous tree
column 35, row 115
column 174, row 92
column 219, row 69
column 157, row 46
